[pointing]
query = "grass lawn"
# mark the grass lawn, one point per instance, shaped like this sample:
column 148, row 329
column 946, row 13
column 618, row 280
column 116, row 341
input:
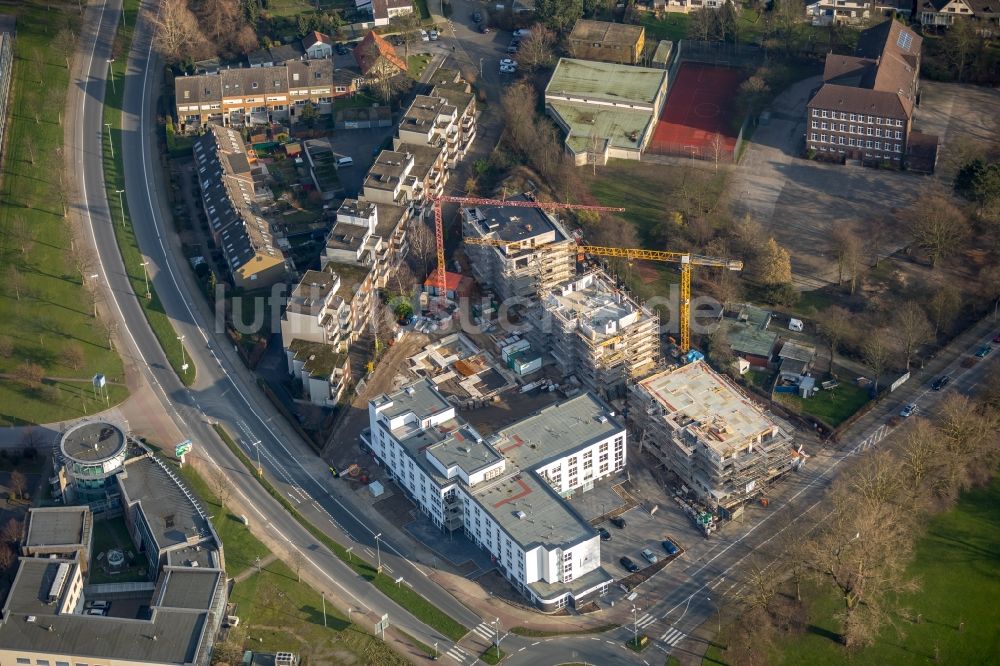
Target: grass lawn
column 280, row 613
column 404, row 595
column 492, row 655
column 416, row 64
column 537, row 633
column 293, row 7
column 672, row 26
column 114, row 176
column 833, row 407
column 46, row 314
column 354, row 101
column 958, row 564
column 110, row 534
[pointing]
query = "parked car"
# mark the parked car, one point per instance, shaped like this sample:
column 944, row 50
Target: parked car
column 670, row 547
column 909, row 410
column 434, row 35
column 508, row 62
column 523, row 32
column 477, row 17
column 628, row 564
column 424, row 37
column 342, row 48
column 650, row 556
column 507, row 69
column 102, row 604
column 940, row 383
column 619, row 522
column 984, row 351
column 96, row 611
column 483, row 28
column 605, row 535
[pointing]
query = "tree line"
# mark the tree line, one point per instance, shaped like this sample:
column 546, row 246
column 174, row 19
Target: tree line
column 861, row 547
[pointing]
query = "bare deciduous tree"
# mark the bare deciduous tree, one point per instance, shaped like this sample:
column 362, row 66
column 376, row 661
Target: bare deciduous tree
column 221, row 485
column 178, row 35
column 30, row 374
column 18, row 483
column 424, row 245
column 72, row 356
column 848, row 248
column 12, row 529
column 834, row 327
column 6, row 346
column 15, row 281
column 876, row 354
column 943, row 307
column 537, row 49
column 911, row 329
column 7, row 557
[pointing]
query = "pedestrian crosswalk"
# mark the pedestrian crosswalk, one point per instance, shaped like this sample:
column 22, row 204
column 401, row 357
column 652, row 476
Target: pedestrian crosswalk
column 457, row 653
column 645, row 621
column 485, row 631
column 672, row 636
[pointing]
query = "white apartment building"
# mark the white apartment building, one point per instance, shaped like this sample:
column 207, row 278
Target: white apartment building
column 506, row 492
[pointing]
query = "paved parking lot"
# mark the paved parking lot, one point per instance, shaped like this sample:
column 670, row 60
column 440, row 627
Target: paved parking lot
column 643, row 531
column 361, row 145
column 801, row 202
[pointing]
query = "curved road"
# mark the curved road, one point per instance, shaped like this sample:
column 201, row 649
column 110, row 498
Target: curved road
column 219, row 394
column 679, row 601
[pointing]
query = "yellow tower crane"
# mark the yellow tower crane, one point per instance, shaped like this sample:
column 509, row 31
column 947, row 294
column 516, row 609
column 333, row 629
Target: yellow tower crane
column 685, row 259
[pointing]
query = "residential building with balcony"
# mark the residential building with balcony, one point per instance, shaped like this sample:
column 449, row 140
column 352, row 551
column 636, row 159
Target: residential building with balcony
column 984, row 14
column 260, row 95
column 597, row 332
column 432, row 121
column 537, row 254
column 864, row 109
column 323, row 371
column 506, row 492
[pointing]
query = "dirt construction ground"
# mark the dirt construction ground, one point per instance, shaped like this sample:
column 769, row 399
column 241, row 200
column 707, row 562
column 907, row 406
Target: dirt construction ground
column 801, row 202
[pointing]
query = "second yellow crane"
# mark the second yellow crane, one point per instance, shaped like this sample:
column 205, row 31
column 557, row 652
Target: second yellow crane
column 685, row 259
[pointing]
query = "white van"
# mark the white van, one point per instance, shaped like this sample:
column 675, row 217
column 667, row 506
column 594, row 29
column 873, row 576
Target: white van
column 345, row 162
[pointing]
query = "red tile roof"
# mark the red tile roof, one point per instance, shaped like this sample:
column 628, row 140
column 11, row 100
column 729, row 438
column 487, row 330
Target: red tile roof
column 374, row 47
column 314, row 38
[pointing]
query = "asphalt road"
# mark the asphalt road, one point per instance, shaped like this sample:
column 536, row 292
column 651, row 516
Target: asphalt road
column 679, row 599
column 220, row 393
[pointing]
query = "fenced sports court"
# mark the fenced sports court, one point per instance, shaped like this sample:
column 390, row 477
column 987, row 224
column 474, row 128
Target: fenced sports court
column 698, row 117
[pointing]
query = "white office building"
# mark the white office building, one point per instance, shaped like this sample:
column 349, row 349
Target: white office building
column 507, row 492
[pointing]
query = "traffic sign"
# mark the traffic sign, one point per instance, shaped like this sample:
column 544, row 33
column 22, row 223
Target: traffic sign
column 183, row 448
column 382, row 625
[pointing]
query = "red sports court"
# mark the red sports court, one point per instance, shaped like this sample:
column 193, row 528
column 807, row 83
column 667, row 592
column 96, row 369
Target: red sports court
column 700, row 105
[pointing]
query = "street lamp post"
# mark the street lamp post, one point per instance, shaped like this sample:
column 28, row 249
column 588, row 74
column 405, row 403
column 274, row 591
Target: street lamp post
column 111, row 141
column 260, row 470
column 718, row 613
column 111, row 69
column 496, row 623
column 121, row 206
column 145, row 276
column 378, row 551
column 184, row 364
column 480, row 68
column 635, row 626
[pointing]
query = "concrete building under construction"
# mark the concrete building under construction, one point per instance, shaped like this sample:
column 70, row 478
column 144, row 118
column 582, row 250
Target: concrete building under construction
column 597, row 332
column 704, row 429
column 546, row 260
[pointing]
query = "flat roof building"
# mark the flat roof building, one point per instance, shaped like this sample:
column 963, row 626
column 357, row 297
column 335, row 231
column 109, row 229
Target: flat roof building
column 540, row 254
column 719, row 442
column 620, row 43
column 61, row 531
column 606, row 110
column 506, row 491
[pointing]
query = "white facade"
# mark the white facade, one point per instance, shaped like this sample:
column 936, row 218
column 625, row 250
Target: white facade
column 461, row 480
